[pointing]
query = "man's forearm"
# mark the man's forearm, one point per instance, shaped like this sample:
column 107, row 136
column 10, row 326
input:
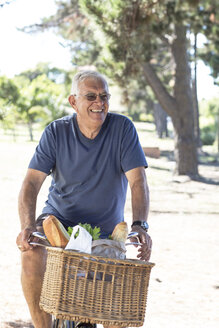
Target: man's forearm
column 27, row 205
column 140, row 200
column 140, row 208
column 28, row 197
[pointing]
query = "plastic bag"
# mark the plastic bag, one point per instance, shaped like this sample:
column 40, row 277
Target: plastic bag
column 80, row 240
column 109, row 248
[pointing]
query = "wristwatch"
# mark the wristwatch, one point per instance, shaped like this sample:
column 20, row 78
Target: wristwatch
column 143, row 224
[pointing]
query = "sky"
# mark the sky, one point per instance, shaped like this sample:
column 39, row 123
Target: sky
column 20, row 51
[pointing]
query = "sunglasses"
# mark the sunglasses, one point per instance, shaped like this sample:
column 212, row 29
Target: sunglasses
column 93, row 96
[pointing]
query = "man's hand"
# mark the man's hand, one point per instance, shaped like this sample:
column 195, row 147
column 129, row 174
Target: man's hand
column 140, row 208
column 23, row 239
column 145, row 240
column 27, row 207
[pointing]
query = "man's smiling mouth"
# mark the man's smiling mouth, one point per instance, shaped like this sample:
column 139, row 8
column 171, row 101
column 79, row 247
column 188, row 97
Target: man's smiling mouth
column 96, row 110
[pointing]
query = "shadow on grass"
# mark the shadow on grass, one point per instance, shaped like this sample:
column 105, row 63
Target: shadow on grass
column 209, row 162
column 160, row 168
column 18, row 324
column 204, row 159
column 185, row 179
column 168, row 154
column 205, row 180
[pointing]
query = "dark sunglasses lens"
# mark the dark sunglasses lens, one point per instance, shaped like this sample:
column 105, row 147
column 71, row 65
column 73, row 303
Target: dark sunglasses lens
column 91, row 97
column 104, row 97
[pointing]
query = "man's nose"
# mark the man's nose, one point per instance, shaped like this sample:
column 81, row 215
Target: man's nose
column 98, row 99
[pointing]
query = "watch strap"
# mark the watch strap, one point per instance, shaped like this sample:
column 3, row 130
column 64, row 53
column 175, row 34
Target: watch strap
column 143, row 224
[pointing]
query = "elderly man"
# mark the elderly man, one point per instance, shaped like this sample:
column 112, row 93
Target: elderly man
column 92, row 156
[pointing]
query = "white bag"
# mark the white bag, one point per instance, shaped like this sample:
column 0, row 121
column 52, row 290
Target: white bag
column 82, row 242
column 109, row 248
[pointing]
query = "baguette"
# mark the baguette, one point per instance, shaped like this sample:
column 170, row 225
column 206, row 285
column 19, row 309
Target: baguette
column 120, row 232
column 55, row 232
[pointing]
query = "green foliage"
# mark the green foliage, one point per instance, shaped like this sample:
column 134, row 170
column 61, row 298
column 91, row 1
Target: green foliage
column 54, row 74
column 118, row 36
column 141, row 30
column 94, row 232
column 34, row 96
column 9, row 91
column 40, row 101
column 146, row 42
column 208, row 18
column 208, row 135
column 9, row 94
column 209, row 110
column 146, row 118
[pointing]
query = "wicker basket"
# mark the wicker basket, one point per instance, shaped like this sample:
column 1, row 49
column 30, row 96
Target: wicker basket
column 88, row 288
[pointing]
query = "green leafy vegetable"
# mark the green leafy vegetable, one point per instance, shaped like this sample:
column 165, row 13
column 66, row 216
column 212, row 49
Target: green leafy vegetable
column 94, row 232
column 70, row 229
column 76, row 234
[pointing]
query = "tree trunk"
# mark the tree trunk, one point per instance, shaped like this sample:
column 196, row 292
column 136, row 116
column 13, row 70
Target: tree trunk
column 217, row 122
column 160, row 118
column 14, row 134
column 30, row 128
column 179, row 107
column 185, row 147
column 195, row 98
column 183, row 118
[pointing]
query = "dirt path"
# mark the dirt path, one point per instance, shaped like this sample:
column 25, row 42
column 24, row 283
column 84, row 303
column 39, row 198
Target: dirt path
column 184, row 222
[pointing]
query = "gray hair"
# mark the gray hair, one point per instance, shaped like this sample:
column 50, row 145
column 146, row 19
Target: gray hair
column 83, row 75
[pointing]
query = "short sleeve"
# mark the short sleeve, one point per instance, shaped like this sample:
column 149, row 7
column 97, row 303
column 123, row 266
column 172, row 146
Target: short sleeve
column 132, row 154
column 44, row 158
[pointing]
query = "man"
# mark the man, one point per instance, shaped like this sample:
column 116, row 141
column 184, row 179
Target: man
column 91, row 155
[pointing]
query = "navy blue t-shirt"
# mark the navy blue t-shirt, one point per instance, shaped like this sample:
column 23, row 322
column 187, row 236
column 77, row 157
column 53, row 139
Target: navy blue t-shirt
column 89, row 183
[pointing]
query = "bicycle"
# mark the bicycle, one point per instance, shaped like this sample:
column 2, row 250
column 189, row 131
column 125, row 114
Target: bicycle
column 59, row 323
column 97, row 274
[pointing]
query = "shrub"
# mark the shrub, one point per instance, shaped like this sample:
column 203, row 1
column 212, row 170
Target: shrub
column 208, row 135
column 146, row 118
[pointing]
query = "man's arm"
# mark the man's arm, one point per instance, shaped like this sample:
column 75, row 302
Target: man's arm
column 140, row 208
column 27, row 205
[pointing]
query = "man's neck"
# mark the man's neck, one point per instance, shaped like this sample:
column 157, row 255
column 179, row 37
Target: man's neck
column 88, row 132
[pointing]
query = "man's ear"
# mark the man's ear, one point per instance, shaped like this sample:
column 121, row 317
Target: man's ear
column 71, row 100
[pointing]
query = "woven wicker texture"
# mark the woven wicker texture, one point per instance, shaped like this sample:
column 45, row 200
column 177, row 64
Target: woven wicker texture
column 88, row 288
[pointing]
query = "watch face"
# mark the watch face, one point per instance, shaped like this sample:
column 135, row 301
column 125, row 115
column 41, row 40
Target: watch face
column 142, row 224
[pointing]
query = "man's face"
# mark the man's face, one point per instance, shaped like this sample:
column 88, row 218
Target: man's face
column 90, row 114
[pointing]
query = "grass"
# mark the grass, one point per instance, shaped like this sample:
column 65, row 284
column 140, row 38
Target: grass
column 183, row 223
column 20, row 134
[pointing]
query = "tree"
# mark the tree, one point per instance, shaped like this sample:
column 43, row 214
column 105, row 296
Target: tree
column 75, row 28
column 195, row 95
column 41, row 100
column 9, row 95
column 210, row 52
column 206, row 25
column 210, row 124
column 144, row 39
column 3, row 3
column 38, row 95
column 135, row 31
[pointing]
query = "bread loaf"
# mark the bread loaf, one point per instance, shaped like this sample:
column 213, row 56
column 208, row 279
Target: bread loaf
column 55, row 232
column 120, row 232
